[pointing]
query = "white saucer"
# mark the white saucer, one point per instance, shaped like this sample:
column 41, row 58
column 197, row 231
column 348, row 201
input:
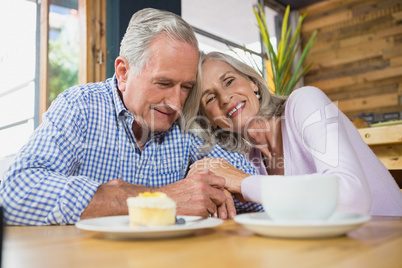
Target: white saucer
column 338, row 224
column 117, row 227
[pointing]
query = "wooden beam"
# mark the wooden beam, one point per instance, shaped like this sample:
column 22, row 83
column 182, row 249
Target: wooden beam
column 324, row 7
column 360, row 91
column 44, row 61
column 397, row 17
column 83, row 70
column 366, row 49
column 339, row 17
column 100, row 41
column 358, row 39
column 389, row 155
column 92, row 40
column 386, row 143
column 382, row 135
column 330, row 84
column 370, row 102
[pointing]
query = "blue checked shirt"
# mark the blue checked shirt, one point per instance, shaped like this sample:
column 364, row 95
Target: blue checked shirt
column 86, row 140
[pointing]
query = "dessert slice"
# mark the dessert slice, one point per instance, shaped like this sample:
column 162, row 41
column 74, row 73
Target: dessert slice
column 151, row 209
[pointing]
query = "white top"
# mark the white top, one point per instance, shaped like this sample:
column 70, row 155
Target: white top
column 319, row 138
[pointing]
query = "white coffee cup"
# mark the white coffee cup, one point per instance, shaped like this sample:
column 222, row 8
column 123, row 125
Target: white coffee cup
column 309, row 197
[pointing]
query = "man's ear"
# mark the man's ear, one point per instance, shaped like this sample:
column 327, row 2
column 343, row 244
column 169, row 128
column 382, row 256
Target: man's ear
column 121, row 67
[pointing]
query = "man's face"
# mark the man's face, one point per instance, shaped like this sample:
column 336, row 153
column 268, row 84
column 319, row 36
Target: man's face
column 156, row 96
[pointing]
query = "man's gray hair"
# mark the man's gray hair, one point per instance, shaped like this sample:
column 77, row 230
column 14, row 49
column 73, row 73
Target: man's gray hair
column 147, row 24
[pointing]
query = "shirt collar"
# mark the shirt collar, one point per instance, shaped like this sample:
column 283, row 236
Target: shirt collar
column 160, row 134
column 118, row 103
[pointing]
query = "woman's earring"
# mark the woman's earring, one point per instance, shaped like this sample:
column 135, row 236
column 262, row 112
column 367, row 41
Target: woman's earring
column 257, row 93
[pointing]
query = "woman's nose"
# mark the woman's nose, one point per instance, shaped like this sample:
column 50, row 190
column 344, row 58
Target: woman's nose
column 226, row 97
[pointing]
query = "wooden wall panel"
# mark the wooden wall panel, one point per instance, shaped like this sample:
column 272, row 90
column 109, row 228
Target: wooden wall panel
column 358, row 54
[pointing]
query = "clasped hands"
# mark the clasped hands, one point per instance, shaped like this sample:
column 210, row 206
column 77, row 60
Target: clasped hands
column 218, row 169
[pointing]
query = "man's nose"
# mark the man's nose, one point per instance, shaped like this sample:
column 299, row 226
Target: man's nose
column 174, row 98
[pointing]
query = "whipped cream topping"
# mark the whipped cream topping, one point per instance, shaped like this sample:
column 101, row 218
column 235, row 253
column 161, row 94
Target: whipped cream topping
column 151, row 200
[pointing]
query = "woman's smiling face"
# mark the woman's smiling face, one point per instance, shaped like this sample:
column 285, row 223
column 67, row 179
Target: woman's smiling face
column 228, row 98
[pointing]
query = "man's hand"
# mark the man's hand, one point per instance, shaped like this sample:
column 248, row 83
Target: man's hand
column 220, row 167
column 111, row 199
column 199, row 194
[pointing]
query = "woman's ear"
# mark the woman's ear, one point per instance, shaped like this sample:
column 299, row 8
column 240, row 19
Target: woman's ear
column 121, row 67
column 254, row 87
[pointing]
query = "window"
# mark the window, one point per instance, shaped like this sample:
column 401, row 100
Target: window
column 18, row 61
column 228, row 26
column 64, row 46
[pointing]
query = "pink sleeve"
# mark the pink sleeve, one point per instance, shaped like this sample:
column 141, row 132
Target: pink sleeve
column 326, row 135
column 250, row 188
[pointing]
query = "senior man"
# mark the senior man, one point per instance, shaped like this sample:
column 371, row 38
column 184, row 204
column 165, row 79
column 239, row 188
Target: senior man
column 101, row 143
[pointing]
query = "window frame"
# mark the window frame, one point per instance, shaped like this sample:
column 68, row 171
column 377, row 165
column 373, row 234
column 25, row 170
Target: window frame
column 92, row 66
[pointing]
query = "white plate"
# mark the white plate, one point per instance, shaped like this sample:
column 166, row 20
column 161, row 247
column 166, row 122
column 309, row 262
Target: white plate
column 338, row 224
column 117, row 227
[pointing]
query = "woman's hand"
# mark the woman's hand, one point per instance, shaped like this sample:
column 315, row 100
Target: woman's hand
column 220, row 167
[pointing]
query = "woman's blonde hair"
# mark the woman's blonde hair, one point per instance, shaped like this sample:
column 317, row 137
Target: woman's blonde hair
column 270, row 105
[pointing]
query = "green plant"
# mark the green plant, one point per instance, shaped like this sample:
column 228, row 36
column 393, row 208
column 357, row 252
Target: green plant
column 282, row 80
column 63, row 68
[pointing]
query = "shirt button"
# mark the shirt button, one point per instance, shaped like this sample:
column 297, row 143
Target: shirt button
column 141, row 176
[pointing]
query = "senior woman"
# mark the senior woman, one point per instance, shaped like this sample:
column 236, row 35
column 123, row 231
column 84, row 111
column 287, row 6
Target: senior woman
column 302, row 134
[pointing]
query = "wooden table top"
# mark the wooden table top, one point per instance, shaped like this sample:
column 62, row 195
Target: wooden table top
column 378, row 243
